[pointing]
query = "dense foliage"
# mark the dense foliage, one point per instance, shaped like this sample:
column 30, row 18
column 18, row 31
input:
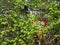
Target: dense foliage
column 19, row 27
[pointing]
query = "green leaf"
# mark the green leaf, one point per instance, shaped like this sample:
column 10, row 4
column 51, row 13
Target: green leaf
column 4, row 23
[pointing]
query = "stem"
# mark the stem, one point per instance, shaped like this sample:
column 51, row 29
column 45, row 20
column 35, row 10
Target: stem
column 39, row 43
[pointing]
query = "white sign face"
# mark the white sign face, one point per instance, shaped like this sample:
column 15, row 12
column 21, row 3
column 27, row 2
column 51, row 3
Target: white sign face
column 26, row 0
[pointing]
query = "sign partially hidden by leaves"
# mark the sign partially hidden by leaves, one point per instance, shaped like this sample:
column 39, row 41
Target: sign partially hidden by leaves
column 21, row 28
